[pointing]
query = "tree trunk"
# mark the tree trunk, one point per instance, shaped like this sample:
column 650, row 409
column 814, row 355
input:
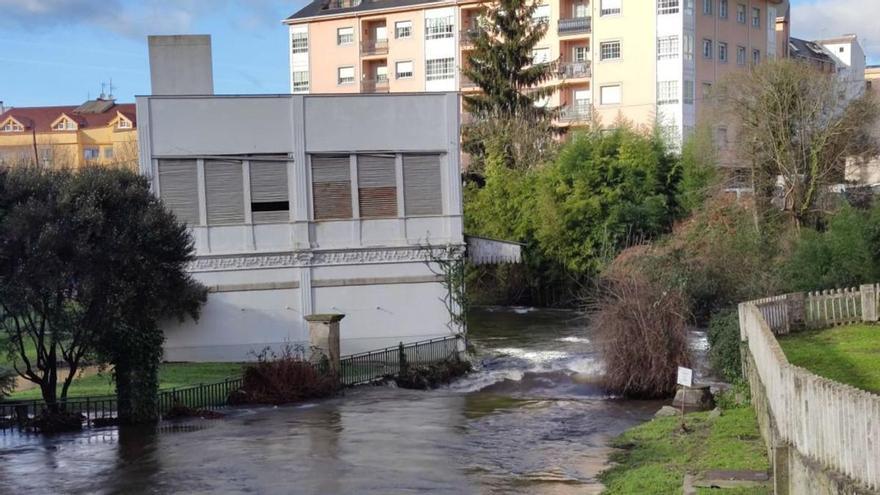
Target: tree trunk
column 137, row 391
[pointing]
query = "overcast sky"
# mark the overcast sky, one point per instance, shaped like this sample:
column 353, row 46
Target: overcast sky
column 58, row 52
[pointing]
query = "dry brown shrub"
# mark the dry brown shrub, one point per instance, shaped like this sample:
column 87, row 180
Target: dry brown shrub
column 280, row 379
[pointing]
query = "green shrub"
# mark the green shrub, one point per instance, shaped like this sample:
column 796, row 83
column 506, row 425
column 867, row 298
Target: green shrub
column 724, row 344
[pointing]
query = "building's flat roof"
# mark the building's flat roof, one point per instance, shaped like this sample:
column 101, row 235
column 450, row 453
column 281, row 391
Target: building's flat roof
column 322, row 8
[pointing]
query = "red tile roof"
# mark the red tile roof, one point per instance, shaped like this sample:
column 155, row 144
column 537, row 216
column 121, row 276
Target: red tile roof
column 41, row 118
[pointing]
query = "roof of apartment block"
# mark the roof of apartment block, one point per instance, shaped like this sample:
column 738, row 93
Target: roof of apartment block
column 91, row 114
column 807, row 49
column 321, row 8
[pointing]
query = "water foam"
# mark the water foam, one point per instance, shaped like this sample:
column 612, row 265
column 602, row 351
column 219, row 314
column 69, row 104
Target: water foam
column 574, row 340
column 512, row 363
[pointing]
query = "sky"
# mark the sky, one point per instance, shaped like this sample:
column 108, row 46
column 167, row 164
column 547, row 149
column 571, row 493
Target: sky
column 59, row 52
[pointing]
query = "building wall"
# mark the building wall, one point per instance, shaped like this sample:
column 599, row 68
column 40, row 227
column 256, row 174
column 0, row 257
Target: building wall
column 330, row 56
column 67, row 147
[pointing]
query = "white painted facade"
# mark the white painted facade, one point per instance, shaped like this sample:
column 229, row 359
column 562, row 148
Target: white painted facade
column 264, row 278
column 443, row 48
column 850, row 58
column 299, row 58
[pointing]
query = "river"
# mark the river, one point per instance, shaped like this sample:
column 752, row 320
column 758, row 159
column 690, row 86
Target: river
column 530, row 420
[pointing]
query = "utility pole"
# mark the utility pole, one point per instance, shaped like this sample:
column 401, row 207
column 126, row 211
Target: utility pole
column 34, row 136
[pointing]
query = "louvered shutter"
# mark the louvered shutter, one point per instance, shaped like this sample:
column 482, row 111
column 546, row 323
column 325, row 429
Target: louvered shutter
column 331, row 187
column 377, row 186
column 224, row 191
column 422, row 185
column 178, row 187
column 269, row 198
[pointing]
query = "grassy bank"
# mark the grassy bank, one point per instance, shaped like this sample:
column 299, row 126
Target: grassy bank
column 170, row 375
column 655, row 456
column 849, row 354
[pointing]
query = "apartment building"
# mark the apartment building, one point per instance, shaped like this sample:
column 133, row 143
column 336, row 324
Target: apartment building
column 649, row 61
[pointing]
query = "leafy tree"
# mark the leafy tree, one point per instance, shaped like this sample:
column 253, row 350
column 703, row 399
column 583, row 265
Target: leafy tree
column 700, row 176
column 90, row 261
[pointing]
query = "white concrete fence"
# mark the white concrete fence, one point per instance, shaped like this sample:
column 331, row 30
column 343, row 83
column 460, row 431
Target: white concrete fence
column 835, row 425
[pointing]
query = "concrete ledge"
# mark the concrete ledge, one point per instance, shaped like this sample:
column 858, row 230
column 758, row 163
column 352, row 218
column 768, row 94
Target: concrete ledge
column 255, row 286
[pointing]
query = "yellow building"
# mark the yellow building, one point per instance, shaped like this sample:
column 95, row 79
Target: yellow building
column 648, row 61
column 98, row 131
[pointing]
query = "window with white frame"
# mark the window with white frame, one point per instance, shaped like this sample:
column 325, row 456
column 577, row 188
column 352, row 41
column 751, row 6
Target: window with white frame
column 300, row 80
column 344, row 35
column 345, row 75
column 667, row 92
column 688, row 7
column 12, row 126
column 438, row 27
column 740, row 55
column 667, row 7
column 667, row 47
column 541, row 14
column 403, row 70
column 756, row 56
column 123, row 124
column 65, row 125
column 688, row 46
column 582, row 101
column 439, row 69
column 381, row 73
column 707, row 7
column 299, row 42
column 580, row 53
column 688, row 93
column 402, row 29
column 610, row 94
column 722, row 9
column 609, row 50
column 707, row 48
column 610, row 7
column 740, row 13
column 722, row 52
column 540, row 55
column 91, row 153
column 580, row 10
column 756, row 17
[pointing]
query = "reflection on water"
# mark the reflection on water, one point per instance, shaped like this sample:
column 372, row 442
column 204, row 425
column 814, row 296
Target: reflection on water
column 530, row 420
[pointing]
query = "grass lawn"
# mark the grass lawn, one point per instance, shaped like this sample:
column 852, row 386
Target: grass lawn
column 656, row 455
column 849, row 354
column 170, row 375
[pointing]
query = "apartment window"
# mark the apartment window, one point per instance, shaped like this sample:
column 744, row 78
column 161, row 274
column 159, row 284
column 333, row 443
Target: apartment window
column 609, row 95
column 722, row 9
column 12, row 127
column 688, row 93
column 422, row 191
column 300, row 81
column 402, row 29
column 580, row 10
column 707, row 7
column 667, row 47
column 740, row 55
column 610, row 7
column 707, row 90
column 740, row 13
column 582, row 101
column 269, row 194
column 382, row 73
column 299, row 42
column 688, row 7
column 108, row 153
column 722, row 52
column 609, row 50
column 178, row 183
column 331, row 187
column 540, row 55
column 344, row 36
column 580, row 54
column 721, row 141
column 541, row 14
column 377, row 186
column 438, row 27
column 439, row 68
column 224, row 192
column 688, row 47
column 91, row 153
column 756, row 56
column 707, row 48
column 403, row 70
column 756, row 17
column 667, row 7
column 345, row 75
column 667, row 92
column 65, row 125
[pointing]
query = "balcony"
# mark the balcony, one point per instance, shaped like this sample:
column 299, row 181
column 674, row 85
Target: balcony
column 579, row 113
column 374, row 85
column 374, row 47
column 467, row 83
column 573, row 70
column 575, row 25
column 466, row 36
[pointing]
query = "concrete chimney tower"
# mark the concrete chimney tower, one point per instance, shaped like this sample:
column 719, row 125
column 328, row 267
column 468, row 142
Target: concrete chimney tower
column 181, row 65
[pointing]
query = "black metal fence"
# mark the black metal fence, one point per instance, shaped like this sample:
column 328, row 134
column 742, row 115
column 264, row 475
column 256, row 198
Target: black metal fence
column 369, row 366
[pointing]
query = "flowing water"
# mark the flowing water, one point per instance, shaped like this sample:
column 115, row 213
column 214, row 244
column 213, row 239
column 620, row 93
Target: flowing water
column 531, row 420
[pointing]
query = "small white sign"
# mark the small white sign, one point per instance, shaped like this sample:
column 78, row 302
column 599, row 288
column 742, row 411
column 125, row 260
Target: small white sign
column 685, row 377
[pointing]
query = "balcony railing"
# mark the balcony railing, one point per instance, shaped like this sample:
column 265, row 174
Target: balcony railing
column 575, row 113
column 467, row 83
column 374, row 85
column 575, row 25
column 573, row 70
column 374, row 47
column 466, row 36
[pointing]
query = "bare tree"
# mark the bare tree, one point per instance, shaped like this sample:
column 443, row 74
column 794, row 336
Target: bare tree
column 795, row 127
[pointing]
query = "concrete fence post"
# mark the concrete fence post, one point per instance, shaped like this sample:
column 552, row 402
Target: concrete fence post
column 324, row 338
column 869, row 302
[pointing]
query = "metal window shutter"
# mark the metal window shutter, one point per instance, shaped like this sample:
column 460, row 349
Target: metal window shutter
column 421, row 182
column 377, row 186
column 178, row 188
column 269, row 185
column 224, row 191
column 331, row 187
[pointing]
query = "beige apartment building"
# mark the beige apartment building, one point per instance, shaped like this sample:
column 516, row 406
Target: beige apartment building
column 649, row 61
